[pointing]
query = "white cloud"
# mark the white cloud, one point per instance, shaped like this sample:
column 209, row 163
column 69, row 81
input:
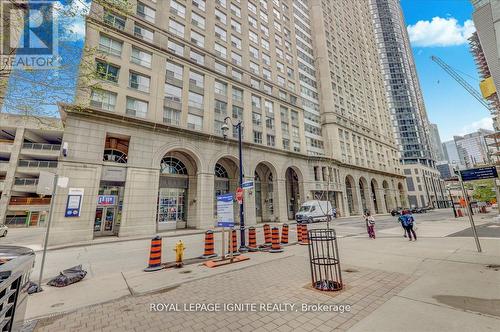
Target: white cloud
column 440, row 32
column 484, row 123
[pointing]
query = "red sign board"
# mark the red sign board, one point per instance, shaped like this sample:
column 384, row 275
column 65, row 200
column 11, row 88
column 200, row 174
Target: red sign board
column 239, row 195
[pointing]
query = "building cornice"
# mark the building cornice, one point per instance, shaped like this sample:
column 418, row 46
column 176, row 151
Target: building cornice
column 93, row 113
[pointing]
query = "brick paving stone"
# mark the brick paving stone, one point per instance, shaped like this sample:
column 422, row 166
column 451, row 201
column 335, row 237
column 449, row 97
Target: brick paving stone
column 284, row 281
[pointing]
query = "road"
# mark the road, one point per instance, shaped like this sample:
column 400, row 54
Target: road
column 105, row 258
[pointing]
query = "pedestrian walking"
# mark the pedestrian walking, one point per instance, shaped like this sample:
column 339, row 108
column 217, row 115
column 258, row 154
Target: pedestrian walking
column 401, row 218
column 334, row 213
column 370, row 225
column 408, row 222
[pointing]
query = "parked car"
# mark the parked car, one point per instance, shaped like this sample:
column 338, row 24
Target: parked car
column 418, row 210
column 3, row 230
column 312, row 211
column 397, row 211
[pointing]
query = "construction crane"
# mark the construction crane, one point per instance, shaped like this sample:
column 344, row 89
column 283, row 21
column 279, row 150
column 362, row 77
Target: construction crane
column 461, row 81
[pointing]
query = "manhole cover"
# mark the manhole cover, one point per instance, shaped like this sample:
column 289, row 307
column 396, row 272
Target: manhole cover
column 57, row 305
column 185, row 271
column 351, row 270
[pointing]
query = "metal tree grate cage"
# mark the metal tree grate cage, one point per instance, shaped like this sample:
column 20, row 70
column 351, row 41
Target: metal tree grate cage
column 324, row 259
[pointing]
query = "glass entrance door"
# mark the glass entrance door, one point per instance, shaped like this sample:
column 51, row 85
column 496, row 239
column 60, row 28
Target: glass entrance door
column 171, row 205
column 104, row 221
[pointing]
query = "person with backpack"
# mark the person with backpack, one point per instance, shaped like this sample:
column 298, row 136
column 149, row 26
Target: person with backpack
column 370, row 225
column 408, row 225
column 401, row 218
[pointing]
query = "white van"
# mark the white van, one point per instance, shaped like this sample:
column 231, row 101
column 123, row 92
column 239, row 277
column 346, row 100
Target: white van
column 312, row 211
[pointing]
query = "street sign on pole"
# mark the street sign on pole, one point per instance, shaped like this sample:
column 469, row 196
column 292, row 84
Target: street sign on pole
column 239, row 195
column 52, row 193
column 247, row 185
column 471, row 219
column 481, row 173
column 225, row 214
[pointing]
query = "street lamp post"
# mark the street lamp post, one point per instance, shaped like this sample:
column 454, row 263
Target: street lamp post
column 452, row 203
column 225, row 128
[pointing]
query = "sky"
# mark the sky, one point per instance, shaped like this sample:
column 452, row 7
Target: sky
column 441, row 28
column 435, row 27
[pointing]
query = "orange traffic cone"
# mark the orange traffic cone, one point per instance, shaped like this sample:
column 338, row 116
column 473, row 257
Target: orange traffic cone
column 284, row 234
column 154, row 263
column 267, row 235
column 299, row 233
column 252, row 239
column 209, row 245
column 305, row 237
column 275, row 246
column 233, row 243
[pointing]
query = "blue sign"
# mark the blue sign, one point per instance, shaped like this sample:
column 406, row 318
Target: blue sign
column 73, row 205
column 106, row 200
column 225, row 214
column 479, row 173
column 247, row 185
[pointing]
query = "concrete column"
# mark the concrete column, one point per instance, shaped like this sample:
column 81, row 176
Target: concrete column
column 75, row 229
column 390, row 199
column 281, row 207
column 139, row 202
column 379, row 194
column 357, row 199
column 205, row 200
column 369, row 200
column 11, row 172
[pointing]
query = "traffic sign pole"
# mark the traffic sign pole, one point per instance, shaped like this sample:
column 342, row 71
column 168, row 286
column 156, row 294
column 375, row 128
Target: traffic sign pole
column 471, row 219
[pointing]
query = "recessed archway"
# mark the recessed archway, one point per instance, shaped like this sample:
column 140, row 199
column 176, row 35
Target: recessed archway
column 226, row 180
column 177, row 184
column 373, row 195
column 293, row 189
column 351, row 195
column 265, row 198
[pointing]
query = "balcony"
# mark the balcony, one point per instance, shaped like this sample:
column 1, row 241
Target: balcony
column 29, row 201
column 35, row 166
column 41, row 149
column 4, row 165
column 27, row 185
column 6, row 146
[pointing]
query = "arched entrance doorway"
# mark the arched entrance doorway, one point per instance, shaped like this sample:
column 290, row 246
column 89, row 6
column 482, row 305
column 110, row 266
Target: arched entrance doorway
column 292, row 192
column 177, row 183
column 373, row 194
column 225, row 181
column 264, row 193
column 349, row 186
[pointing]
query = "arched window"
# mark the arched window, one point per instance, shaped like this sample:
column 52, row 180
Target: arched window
column 171, row 165
column 220, row 172
column 256, row 176
column 114, row 156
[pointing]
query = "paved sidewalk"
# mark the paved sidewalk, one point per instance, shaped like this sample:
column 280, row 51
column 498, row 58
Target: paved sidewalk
column 272, row 282
column 439, row 284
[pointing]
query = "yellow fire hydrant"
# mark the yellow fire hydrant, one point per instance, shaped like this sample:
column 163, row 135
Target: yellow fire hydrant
column 179, row 252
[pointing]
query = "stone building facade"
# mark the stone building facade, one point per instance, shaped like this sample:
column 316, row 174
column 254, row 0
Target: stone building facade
column 145, row 145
